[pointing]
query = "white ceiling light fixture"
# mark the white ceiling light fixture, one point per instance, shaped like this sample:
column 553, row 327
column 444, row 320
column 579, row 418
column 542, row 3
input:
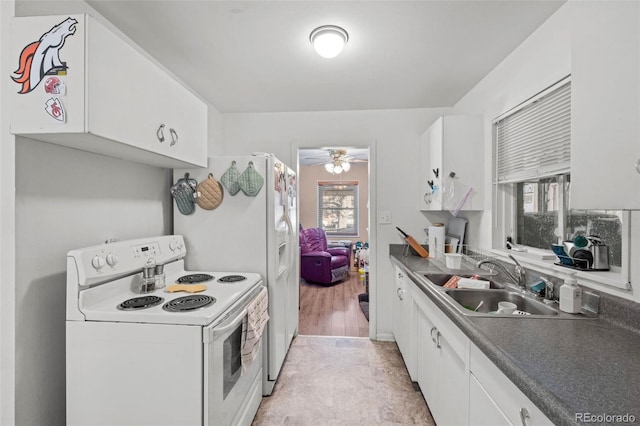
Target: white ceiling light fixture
column 338, row 164
column 329, row 40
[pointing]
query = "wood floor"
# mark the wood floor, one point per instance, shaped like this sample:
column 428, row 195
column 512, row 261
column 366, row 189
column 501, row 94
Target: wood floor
column 332, row 310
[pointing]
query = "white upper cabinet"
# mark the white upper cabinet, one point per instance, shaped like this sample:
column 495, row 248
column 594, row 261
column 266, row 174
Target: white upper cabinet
column 605, row 129
column 454, row 143
column 80, row 85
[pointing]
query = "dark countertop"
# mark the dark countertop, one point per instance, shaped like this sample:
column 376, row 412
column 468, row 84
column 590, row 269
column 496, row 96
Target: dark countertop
column 564, row 366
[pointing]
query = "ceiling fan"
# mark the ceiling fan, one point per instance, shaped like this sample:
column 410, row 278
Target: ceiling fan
column 335, row 160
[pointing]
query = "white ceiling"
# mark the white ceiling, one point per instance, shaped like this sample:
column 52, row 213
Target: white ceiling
column 255, row 56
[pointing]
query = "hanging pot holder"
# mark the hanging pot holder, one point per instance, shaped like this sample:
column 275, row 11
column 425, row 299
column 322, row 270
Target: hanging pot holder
column 230, row 179
column 183, row 193
column 250, row 181
column 210, row 193
column 191, row 181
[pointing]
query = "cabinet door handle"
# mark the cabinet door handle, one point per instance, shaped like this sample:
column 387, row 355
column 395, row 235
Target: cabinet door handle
column 524, row 416
column 438, row 339
column 160, row 133
column 400, row 293
column 431, row 334
column 638, row 165
column 174, row 137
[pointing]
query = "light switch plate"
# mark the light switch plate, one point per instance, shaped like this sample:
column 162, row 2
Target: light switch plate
column 384, row 218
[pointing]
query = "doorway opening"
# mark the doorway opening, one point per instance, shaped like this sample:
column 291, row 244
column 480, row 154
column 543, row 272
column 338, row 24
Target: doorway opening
column 334, row 200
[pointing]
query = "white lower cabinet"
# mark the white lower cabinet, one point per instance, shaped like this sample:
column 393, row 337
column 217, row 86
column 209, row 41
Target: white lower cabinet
column 495, row 400
column 442, row 364
column 404, row 330
column 427, row 360
column 461, row 385
column 483, row 410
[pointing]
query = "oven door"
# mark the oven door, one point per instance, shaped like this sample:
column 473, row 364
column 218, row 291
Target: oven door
column 230, row 392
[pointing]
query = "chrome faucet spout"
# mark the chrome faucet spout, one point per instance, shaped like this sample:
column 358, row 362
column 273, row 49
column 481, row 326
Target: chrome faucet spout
column 520, row 273
column 518, row 277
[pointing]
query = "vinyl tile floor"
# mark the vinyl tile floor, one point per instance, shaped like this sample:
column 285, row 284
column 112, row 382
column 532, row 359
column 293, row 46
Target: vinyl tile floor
column 343, row 381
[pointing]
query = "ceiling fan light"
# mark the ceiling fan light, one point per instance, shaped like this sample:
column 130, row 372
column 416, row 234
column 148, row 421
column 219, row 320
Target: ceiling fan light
column 328, row 40
column 329, row 167
column 346, row 166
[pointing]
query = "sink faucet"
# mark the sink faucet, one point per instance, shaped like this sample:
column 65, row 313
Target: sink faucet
column 518, row 278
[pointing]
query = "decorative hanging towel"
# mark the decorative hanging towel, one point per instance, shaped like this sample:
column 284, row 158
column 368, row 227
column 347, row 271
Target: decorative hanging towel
column 210, row 193
column 183, row 193
column 230, row 179
column 250, row 181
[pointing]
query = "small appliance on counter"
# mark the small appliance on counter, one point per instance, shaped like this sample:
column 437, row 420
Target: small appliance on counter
column 584, row 253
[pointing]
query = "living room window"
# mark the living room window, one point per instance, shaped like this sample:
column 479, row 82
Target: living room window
column 338, row 208
column 532, row 172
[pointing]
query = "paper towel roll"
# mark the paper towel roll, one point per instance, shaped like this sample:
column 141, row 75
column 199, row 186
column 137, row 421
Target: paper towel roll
column 436, row 240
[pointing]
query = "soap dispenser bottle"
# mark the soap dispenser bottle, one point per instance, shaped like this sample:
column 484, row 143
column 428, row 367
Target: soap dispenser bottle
column 570, row 295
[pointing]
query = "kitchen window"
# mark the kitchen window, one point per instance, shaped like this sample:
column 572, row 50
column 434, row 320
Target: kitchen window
column 532, row 179
column 542, row 215
column 338, row 208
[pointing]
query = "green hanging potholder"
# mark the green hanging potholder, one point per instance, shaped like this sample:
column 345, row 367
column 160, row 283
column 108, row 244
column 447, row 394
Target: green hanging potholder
column 230, row 179
column 183, row 193
column 250, row 181
column 191, row 181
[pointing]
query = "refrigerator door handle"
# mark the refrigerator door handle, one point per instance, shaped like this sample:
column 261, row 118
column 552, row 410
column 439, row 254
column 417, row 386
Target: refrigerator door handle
column 290, row 234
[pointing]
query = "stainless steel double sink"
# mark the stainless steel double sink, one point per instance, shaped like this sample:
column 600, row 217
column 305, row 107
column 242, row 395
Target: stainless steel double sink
column 465, row 301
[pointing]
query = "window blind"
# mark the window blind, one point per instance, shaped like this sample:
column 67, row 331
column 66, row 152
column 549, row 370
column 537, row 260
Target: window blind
column 534, row 139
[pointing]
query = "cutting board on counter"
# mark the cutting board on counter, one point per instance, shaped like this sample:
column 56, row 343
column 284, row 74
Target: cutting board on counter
column 457, row 227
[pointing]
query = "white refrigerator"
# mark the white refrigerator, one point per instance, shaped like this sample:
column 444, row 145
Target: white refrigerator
column 251, row 234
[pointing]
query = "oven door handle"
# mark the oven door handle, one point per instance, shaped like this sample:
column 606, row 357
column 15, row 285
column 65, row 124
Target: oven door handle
column 224, row 327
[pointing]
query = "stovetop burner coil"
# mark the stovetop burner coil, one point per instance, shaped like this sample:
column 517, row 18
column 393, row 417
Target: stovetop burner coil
column 231, row 278
column 189, row 303
column 194, row 278
column 141, row 302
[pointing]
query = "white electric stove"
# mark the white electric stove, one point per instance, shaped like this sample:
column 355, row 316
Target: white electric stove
column 157, row 357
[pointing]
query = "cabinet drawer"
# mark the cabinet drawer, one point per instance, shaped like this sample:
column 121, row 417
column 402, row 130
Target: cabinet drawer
column 510, row 400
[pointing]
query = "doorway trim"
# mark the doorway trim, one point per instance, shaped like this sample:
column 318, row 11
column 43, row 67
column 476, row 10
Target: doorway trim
column 296, row 146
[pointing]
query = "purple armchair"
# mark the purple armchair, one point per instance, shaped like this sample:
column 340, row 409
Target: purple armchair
column 318, row 263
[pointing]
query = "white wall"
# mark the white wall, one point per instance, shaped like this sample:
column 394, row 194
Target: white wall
column 396, row 134
column 67, row 199
column 7, row 229
column 541, row 60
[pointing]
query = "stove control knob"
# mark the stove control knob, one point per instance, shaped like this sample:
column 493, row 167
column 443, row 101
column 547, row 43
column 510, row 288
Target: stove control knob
column 112, row 259
column 173, row 245
column 98, row 262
